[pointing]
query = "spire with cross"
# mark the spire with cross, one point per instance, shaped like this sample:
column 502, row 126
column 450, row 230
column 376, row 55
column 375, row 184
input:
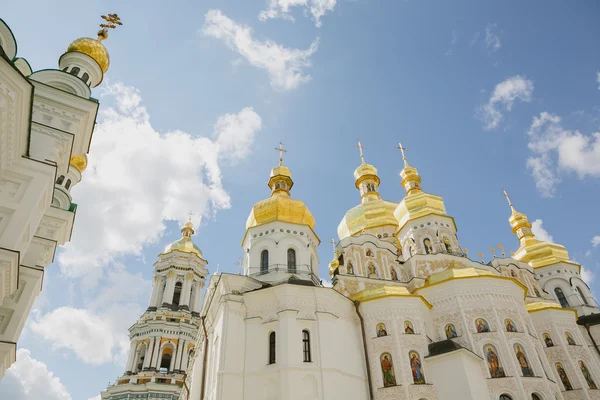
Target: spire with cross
column 111, row 22
column 190, row 215
column 401, row 148
column 360, row 148
column 508, row 199
column 333, row 245
column 281, row 150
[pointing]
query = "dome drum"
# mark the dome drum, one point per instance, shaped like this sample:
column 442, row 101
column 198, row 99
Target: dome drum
column 86, row 64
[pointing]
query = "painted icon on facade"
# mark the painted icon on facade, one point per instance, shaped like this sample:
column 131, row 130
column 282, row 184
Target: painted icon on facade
column 416, row 367
column 372, row 271
column 447, row 245
column 563, row 377
column 510, row 325
column 381, row 331
column 537, row 292
column 570, row 339
column 548, row 340
column 387, row 369
column 493, row 360
column 523, row 363
column 450, row 331
column 394, row 274
column 350, row 269
column 427, row 245
column 408, row 327
column 482, row 325
column 587, row 375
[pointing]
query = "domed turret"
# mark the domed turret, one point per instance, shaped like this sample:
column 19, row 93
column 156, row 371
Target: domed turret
column 185, row 244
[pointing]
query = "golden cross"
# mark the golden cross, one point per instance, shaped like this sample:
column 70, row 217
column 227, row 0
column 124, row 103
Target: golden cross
column 508, row 199
column 112, row 20
column 399, row 147
column 281, row 151
column 360, row 148
column 333, row 244
column 190, row 214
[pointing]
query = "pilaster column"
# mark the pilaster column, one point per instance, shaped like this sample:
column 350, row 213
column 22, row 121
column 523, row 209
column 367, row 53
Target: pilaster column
column 197, row 298
column 172, row 364
column 132, row 357
column 185, row 358
column 155, row 361
column 168, row 295
column 180, row 344
column 186, row 292
column 148, row 355
column 155, row 289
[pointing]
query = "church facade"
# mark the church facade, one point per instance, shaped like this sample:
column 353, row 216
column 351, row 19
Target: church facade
column 47, row 119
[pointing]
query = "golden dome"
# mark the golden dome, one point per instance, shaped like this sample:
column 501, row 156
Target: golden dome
column 454, row 272
column 93, row 48
column 185, row 244
column 367, row 215
column 280, row 206
column 79, row 162
column 365, row 170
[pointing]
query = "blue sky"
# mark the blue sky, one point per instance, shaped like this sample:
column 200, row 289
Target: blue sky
column 485, row 96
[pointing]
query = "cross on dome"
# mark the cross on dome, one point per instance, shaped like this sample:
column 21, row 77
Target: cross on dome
column 333, row 244
column 508, row 199
column 190, row 215
column 401, row 148
column 360, row 148
column 112, row 20
column 281, row 150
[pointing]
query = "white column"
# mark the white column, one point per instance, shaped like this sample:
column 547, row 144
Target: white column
column 168, row 294
column 186, row 292
column 148, row 355
column 197, row 299
column 132, row 357
column 155, row 290
column 155, row 360
column 172, row 364
column 178, row 354
column 185, row 358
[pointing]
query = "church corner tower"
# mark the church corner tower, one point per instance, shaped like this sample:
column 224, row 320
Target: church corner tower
column 164, row 338
column 280, row 242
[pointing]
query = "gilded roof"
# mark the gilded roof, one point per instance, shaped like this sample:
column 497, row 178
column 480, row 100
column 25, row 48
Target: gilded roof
column 93, row 48
column 184, row 244
column 280, row 207
column 418, row 204
column 369, row 214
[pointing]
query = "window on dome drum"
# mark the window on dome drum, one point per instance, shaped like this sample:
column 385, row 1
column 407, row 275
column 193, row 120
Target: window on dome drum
column 291, row 260
column 177, row 294
column 68, row 184
column 65, row 69
column 272, row 348
column 561, row 298
column 60, row 180
column 505, row 397
column 306, row 345
column 585, row 302
column 535, row 397
column 75, row 71
column 85, row 77
column 264, row 262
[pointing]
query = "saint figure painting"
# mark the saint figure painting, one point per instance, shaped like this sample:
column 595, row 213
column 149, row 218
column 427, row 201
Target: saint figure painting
column 563, row 377
column 427, row 246
column 510, row 326
column 570, row 339
column 408, row 328
column 381, row 330
column 387, row 368
column 450, row 331
column 482, row 325
column 548, row 340
column 493, row 360
column 587, row 375
column 416, row 368
column 523, row 363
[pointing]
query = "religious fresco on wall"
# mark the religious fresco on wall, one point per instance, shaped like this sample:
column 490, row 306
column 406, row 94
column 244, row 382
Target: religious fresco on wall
column 381, row 331
column 369, row 253
column 482, row 325
column 408, row 327
column 427, row 245
column 548, row 340
column 372, row 273
column 450, row 331
column 350, row 269
column 394, row 274
column 447, row 245
column 510, row 325
column 563, row 376
column 387, row 369
column 587, row 375
column 493, row 360
column 522, row 359
column 570, row 339
column 416, row 367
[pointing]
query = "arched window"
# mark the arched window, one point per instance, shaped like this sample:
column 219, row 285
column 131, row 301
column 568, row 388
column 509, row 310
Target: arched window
column 141, row 358
column 177, row 294
column 68, row 184
column 416, row 366
column 505, row 397
column 535, row 397
column 306, row 345
column 264, row 262
column 272, row 348
column 165, row 361
column 291, row 260
column 85, row 77
column 582, row 295
column 350, row 269
column 75, row 71
column 60, row 180
column 561, row 298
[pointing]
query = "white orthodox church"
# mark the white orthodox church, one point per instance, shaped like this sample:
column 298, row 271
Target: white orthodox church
column 409, row 315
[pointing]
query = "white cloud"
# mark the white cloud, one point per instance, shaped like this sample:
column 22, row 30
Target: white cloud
column 29, row 379
column 540, row 233
column 453, row 42
column 138, row 177
column 492, row 37
column 505, row 94
column 326, row 283
column 557, row 150
column 95, row 398
column 282, row 9
column 596, row 241
column 285, row 66
column 587, row 275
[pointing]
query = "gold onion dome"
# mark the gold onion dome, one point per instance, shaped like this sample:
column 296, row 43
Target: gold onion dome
column 372, row 212
column 184, row 244
column 93, row 48
column 535, row 252
column 280, row 206
column 79, row 162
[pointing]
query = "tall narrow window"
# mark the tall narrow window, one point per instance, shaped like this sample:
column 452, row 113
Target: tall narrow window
column 165, row 361
column 85, row 77
column 60, row 180
column 74, row 71
column 561, row 298
column 177, row 294
column 264, row 262
column 68, row 184
column 272, row 348
column 291, row 260
column 306, row 345
column 582, row 295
